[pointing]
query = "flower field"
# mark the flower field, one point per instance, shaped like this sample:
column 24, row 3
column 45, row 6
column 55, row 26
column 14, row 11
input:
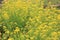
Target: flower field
column 29, row 20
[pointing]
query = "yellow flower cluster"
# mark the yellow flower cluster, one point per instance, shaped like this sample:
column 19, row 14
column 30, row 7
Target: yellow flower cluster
column 10, row 39
column 29, row 20
column 16, row 30
column 58, row 16
column 5, row 15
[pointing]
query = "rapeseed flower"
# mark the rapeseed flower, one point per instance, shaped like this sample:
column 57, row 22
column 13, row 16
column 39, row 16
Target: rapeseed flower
column 16, row 30
column 32, row 38
column 10, row 39
column 54, row 34
column 7, row 32
column 36, row 22
column 58, row 17
column 5, row 15
column 27, row 39
column 4, row 27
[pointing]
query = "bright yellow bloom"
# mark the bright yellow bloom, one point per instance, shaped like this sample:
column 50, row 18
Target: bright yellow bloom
column 10, row 39
column 16, row 30
column 58, row 16
column 54, row 34
column 59, row 32
column 18, row 4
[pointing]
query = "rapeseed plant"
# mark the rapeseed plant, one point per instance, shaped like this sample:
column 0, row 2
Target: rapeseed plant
column 58, row 16
column 29, row 20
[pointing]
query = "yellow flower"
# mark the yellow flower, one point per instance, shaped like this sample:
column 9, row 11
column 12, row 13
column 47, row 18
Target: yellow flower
column 4, row 38
column 59, row 32
column 5, row 15
column 15, row 23
column 31, row 38
column 27, row 36
column 52, row 23
column 4, row 26
column 31, row 19
column 37, row 18
column 27, row 39
column 16, row 30
column 43, row 36
column 58, row 16
column 6, row 1
column 18, row 4
column 48, row 38
column 10, row 39
column 54, row 34
column 49, row 17
column 55, row 38
column 36, row 32
column 37, row 1
column 30, row 31
column 58, row 10
column 7, row 32
column 49, row 27
column 11, row 33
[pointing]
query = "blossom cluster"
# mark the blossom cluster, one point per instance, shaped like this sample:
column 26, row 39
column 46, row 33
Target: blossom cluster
column 29, row 20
